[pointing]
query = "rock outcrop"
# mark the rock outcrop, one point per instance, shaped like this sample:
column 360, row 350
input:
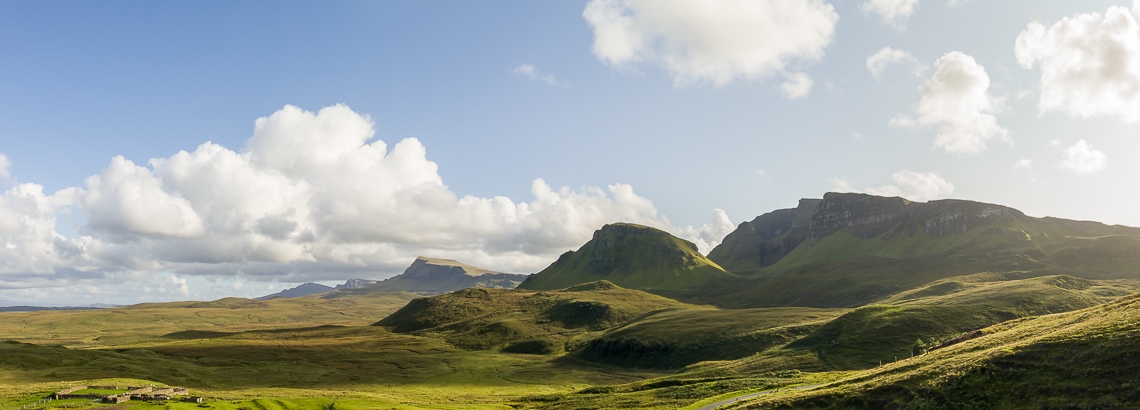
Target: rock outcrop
column 772, row 236
column 435, row 275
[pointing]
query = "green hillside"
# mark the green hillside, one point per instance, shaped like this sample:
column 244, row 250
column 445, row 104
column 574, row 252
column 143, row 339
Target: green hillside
column 634, row 257
column 1079, row 359
column 679, row 337
column 519, row 321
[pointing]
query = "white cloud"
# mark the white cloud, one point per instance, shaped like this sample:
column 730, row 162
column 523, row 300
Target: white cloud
column 126, row 198
column 711, row 42
column 709, row 235
column 956, row 100
column 797, row 85
column 915, row 186
column 531, row 72
column 877, row 63
column 1089, row 63
column 858, row 136
column 1083, row 158
column 29, row 244
column 312, row 197
column 762, row 174
column 893, row 12
column 1023, row 163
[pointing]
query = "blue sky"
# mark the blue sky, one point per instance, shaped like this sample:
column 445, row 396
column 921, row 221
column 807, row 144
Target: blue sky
column 691, row 129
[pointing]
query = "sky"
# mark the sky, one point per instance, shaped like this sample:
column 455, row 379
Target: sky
column 154, row 151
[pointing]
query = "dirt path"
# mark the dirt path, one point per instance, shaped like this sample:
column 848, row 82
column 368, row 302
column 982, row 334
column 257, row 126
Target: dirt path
column 743, row 397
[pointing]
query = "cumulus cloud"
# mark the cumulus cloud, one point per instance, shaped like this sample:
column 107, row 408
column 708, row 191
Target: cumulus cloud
column 709, row 235
column 892, row 12
column 1083, row 158
column 797, row 85
column 313, row 196
column 1089, row 63
column 915, row 186
column 531, row 72
column 711, row 42
column 957, row 102
column 877, row 63
column 1023, row 163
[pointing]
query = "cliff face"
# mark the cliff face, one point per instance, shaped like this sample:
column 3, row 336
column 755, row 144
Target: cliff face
column 631, row 256
column 437, row 275
column 770, row 237
column 868, row 216
column 355, row 284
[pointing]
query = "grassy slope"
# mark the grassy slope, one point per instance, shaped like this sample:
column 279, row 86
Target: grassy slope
column 1080, row 359
column 679, row 337
column 547, row 322
column 872, row 334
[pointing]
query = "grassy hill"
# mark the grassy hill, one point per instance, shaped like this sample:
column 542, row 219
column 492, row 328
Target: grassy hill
column 675, row 338
column 634, row 257
column 1080, row 359
column 518, row 321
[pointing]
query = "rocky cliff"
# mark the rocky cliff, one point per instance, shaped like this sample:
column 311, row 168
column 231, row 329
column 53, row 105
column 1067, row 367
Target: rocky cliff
column 436, row 275
column 849, row 249
column 770, row 237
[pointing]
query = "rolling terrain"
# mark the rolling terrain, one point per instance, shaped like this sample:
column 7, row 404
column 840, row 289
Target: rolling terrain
column 850, row 301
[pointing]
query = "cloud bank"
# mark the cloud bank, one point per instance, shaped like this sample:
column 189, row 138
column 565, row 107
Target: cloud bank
column 1089, row 63
column 711, row 42
column 313, row 196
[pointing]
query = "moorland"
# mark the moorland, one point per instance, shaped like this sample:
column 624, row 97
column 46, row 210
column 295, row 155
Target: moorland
column 849, row 301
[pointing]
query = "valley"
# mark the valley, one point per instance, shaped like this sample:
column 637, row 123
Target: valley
column 849, row 301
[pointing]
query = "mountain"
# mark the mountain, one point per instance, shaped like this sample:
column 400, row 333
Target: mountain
column 848, row 249
column 302, row 290
column 355, row 284
column 435, row 275
column 635, row 257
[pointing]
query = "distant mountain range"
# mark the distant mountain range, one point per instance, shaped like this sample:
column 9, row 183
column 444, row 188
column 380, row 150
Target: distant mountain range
column 425, row 275
column 435, row 275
